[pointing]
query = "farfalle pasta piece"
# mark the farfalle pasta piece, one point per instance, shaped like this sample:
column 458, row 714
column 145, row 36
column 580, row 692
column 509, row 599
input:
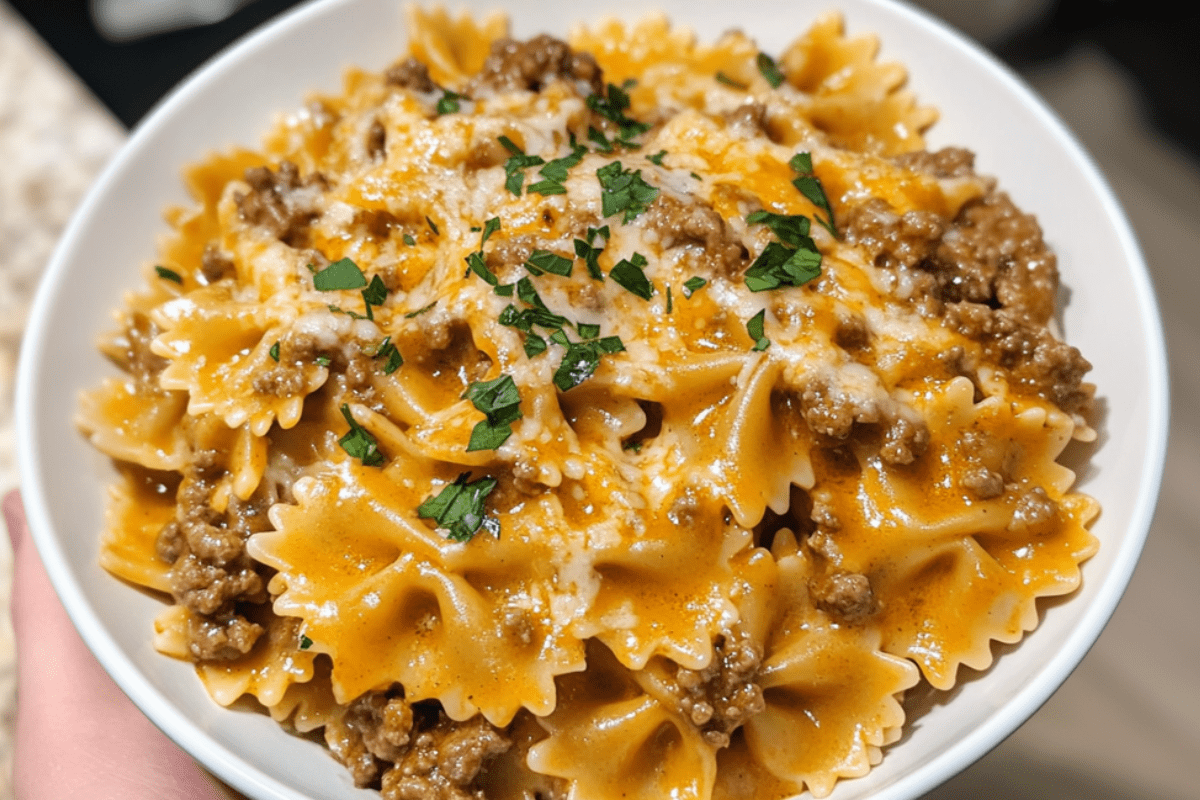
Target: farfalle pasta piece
column 857, row 101
column 427, row 611
column 648, row 750
column 830, row 693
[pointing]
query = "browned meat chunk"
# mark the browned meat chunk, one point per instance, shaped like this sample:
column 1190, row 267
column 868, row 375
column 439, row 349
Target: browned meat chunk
column 214, row 264
column 410, row 74
column 893, row 240
column 211, row 639
column 949, row 162
column 723, row 695
column 845, row 595
column 678, row 223
column 534, row 64
column 280, row 201
column 443, row 762
column 1033, row 356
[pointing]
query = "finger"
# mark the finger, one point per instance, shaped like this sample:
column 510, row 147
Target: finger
column 77, row 734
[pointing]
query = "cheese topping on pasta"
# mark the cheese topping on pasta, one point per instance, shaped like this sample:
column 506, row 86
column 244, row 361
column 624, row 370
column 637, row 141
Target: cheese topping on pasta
column 626, row 395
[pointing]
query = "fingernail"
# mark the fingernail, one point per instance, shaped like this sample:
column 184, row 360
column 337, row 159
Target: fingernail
column 14, row 517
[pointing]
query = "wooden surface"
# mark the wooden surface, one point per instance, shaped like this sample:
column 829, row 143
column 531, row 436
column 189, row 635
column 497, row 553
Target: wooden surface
column 1125, row 725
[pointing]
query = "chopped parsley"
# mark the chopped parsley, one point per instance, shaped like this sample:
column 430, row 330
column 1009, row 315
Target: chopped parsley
column 810, row 186
column 477, row 265
column 305, row 642
column 322, row 361
column 770, row 70
column 612, row 106
column 359, row 443
column 458, row 508
column 782, row 266
column 657, row 158
column 489, row 227
column 515, row 166
column 581, row 360
column 587, row 330
column 409, row 240
column 274, row 352
column 590, row 254
column 545, row 261
column 628, row 274
column 374, row 295
column 169, row 275
column 624, row 190
column 728, row 81
column 670, row 302
column 448, row 103
column 386, row 349
column 433, row 226
column 339, row 275
column 755, row 328
column 420, row 311
column 351, row 314
column 500, row 401
column 633, row 444
column 792, row 261
column 596, row 135
column 555, row 172
column 692, row 285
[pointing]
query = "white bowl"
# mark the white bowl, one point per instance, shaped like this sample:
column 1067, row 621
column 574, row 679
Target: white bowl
column 1110, row 314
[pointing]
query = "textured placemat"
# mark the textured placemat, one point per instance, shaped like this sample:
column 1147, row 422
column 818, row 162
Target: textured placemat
column 54, row 138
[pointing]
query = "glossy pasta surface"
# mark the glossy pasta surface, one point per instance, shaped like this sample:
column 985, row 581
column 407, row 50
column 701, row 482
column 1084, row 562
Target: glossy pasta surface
column 627, row 395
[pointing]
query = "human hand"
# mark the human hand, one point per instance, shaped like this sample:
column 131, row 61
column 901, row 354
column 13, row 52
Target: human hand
column 78, row 735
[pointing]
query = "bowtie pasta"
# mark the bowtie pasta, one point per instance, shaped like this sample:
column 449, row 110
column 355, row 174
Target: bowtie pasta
column 627, row 395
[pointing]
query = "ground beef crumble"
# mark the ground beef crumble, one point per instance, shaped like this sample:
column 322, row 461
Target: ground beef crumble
column 534, row 64
column 987, row 273
column 413, row 752
column 845, row 595
column 280, row 201
column 723, row 695
column 679, row 223
column 211, row 573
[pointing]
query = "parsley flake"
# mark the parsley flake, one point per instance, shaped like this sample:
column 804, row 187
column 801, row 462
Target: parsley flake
column 305, row 642
column 770, row 70
column 590, row 254
column 169, row 275
column 657, row 158
column 545, row 261
column 409, row 240
column 448, row 103
column 597, row 136
column 692, row 285
column 479, row 266
column 624, row 190
column 322, row 361
column 433, row 226
column 458, row 508
column 634, row 445
column 359, row 443
column 670, row 302
column 581, row 360
column 810, row 186
column 420, row 311
column 782, row 266
column 612, row 106
column 755, row 328
column 274, row 352
column 728, row 81
column 374, row 295
column 514, row 175
column 500, row 401
column 587, row 330
column 555, row 172
column 629, row 275
column 489, row 227
column 386, row 349
column 343, row 274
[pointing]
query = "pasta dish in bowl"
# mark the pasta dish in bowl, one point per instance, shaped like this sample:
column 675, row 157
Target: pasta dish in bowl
column 625, row 393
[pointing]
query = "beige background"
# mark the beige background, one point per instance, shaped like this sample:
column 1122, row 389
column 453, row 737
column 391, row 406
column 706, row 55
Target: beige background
column 1125, row 725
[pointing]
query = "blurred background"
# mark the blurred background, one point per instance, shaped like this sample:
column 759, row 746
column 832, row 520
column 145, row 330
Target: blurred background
column 75, row 75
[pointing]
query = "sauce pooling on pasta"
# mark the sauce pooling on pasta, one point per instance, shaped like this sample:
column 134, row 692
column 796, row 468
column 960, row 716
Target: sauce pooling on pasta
column 627, row 395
